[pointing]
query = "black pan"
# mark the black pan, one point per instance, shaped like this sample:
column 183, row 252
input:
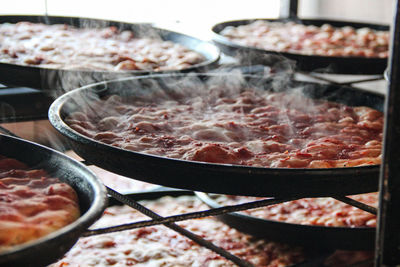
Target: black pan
column 316, row 256
column 45, row 78
column 343, row 65
column 357, row 238
column 208, row 177
column 91, row 193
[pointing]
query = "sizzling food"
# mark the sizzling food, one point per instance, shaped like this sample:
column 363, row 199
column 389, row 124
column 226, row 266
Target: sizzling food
column 160, row 246
column 62, row 46
column 32, row 204
column 311, row 40
column 250, row 127
column 312, row 211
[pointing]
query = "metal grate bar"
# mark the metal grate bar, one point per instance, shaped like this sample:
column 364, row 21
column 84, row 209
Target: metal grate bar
column 362, row 80
column 175, row 227
column 357, row 204
column 215, row 212
column 349, row 83
column 317, row 77
column 187, row 216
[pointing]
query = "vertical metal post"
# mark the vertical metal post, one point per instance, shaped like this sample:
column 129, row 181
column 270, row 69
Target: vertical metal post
column 45, row 8
column 288, row 8
column 388, row 230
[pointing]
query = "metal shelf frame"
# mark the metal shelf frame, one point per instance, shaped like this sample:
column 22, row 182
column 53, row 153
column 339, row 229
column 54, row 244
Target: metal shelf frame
column 387, row 251
column 388, row 228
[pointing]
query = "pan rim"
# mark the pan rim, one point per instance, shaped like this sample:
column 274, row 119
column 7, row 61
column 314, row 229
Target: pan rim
column 208, row 61
column 219, row 38
column 337, row 237
column 154, row 195
column 93, row 212
column 310, row 226
column 174, row 172
column 45, row 78
column 55, row 118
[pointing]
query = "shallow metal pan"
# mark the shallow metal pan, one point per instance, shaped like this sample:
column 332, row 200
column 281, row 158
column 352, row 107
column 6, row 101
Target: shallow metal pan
column 208, row 177
column 46, row 78
column 349, row 238
column 316, row 255
column 343, row 65
column 91, row 193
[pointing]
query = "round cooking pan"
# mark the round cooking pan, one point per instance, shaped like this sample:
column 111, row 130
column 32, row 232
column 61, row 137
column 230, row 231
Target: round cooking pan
column 315, row 256
column 91, row 193
column 46, row 78
column 209, row 177
column 334, row 64
column 349, row 238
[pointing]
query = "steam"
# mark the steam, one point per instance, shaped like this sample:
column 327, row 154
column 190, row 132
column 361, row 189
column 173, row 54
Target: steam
column 173, row 89
column 64, row 80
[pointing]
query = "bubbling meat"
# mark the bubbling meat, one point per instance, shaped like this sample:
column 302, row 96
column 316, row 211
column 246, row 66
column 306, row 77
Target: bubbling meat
column 311, row 211
column 32, row 204
column 103, row 49
column 160, row 246
column 252, row 128
column 311, row 40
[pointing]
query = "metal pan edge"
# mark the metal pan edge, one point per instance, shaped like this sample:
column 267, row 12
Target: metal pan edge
column 215, row 178
column 340, row 65
column 52, row 79
column 357, row 238
column 90, row 190
column 316, row 257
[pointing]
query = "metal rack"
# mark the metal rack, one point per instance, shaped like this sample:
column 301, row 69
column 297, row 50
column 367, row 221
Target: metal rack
column 388, row 229
column 170, row 220
column 387, row 251
column 156, row 220
column 35, row 104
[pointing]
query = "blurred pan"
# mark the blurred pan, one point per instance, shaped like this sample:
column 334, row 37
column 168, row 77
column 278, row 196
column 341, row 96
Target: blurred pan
column 46, row 78
column 354, row 238
column 91, row 193
column 341, row 65
column 209, row 177
column 315, row 256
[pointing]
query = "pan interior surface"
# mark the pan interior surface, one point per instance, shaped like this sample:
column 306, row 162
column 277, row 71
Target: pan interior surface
column 47, row 78
column 90, row 191
column 209, row 177
column 323, row 64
